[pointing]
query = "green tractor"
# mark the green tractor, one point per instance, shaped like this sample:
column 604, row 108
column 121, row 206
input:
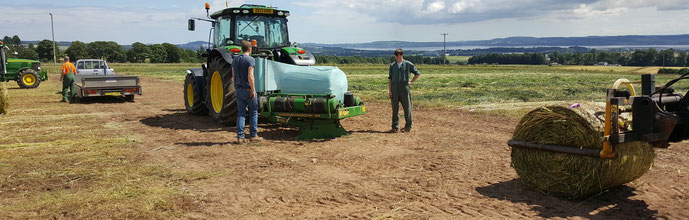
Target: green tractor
column 27, row 73
column 290, row 91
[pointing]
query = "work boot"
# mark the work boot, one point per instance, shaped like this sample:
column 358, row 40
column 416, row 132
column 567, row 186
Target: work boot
column 394, row 130
column 255, row 138
column 406, row 130
column 63, row 100
column 240, row 141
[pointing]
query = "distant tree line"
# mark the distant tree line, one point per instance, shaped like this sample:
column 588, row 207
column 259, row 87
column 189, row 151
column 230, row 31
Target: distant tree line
column 107, row 50
column 673, row 71
column 416, row 59
column 526, row 58
column 648, row 57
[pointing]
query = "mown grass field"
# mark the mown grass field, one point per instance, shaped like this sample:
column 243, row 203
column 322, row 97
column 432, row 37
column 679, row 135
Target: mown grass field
column 83, row 163
column 65, row 162
column 454, row 59
column 503, row 89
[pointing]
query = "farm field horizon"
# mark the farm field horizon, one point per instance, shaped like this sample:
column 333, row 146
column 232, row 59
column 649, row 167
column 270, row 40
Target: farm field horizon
column 503, row 89
column 107, row 158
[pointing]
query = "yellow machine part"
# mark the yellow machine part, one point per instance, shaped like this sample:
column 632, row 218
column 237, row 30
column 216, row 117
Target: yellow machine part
column 216, row 92
column 29, row 79
column 190, row 95
column 607, row 151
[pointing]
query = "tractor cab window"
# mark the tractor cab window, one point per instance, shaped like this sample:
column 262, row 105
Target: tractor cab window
column 269, row 32
column 222, row 32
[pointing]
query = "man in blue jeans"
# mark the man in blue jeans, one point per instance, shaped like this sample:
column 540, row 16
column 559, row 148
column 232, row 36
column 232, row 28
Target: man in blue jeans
column 245, row 92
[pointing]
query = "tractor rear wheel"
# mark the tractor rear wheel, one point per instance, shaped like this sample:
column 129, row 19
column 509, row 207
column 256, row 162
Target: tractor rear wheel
column 193, row 97
column 129, row 98
column 28, row 79
column 220, row 94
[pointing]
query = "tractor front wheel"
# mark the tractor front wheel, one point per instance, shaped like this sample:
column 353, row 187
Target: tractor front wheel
column 28, row 79
column 193, row 97
column 220, row 94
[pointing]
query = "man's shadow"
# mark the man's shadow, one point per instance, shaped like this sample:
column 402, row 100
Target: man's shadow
column 178, row 119
column 611, row 204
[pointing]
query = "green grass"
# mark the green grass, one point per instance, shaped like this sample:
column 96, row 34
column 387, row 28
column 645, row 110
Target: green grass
column 454, row 59
column 58, row 161
column 495, row 88
column 502, row 86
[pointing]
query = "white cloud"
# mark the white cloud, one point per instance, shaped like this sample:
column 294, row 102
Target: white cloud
column 100, row 24
column 464, row 11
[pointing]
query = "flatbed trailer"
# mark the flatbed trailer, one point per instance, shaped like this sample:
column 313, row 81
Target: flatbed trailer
column 94, row 79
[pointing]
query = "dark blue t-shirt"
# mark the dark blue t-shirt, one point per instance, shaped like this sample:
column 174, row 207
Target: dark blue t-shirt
column 241, row 65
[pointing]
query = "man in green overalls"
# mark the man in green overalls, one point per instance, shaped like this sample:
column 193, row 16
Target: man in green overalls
column 67, row 78
column 398, row 89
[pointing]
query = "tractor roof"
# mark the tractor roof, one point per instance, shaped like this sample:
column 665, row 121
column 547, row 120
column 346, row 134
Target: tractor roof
column 247, row 9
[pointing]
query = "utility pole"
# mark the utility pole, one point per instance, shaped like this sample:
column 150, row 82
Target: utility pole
column 444, row 35
column 52, row 30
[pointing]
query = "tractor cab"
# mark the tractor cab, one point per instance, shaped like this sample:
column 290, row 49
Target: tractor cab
column 265, row 27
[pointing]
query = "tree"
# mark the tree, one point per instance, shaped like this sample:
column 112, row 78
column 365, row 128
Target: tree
column 7, row 40
column 27, row 53
column 45, row 50
column 189, row 56
column 158, row 53
column 682, row 58
column 173, row 53
column 110, row 51
column 666, row 58
column 16, row 40
column 77, row 51
column 139, row 53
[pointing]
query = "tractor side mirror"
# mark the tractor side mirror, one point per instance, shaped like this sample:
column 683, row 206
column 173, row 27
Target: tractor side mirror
column 191, row 25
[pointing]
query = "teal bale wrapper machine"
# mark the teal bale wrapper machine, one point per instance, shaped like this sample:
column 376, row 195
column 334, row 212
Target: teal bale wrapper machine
column 290, row 91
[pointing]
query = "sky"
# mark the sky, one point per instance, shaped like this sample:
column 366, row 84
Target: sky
column 348, row 21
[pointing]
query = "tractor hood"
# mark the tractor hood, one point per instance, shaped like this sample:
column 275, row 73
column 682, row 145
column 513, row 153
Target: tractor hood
column 22, row 61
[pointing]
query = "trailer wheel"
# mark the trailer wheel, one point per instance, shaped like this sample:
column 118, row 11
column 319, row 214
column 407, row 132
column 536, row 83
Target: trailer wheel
column 220, row 94
column 28, row 79
column 193, row 97
column 129, row 98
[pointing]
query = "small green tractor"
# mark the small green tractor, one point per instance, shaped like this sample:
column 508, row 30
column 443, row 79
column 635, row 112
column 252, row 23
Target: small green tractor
column 27, row 73
column 290, row 91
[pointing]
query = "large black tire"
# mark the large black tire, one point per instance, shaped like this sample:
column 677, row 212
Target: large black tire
column 224, row 109
column 193, row 97
column 129, row 98
column 28, row 79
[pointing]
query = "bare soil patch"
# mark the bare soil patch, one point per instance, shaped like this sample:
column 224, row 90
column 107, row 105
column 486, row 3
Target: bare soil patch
column 454, row 164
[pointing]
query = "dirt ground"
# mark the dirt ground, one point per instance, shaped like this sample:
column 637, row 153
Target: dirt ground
column 454, row 164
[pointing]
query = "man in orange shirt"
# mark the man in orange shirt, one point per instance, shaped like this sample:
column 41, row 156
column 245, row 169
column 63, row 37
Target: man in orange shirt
column 67, row 78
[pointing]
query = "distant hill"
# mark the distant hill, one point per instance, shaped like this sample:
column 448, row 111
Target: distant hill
column 472, row 48
column 589, row 41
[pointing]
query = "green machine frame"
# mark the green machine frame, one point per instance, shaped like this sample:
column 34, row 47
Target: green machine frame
column 322, row 121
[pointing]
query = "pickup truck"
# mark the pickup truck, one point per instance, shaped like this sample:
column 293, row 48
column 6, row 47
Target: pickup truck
column 94, row 79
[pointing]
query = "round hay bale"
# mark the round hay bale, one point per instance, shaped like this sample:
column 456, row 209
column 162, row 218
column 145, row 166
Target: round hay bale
column 4, row 99
column 571, row 176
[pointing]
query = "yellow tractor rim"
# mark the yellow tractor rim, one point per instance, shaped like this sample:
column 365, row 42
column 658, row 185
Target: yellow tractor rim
column 190, row 95
column 29, row 79
column 216, row 92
